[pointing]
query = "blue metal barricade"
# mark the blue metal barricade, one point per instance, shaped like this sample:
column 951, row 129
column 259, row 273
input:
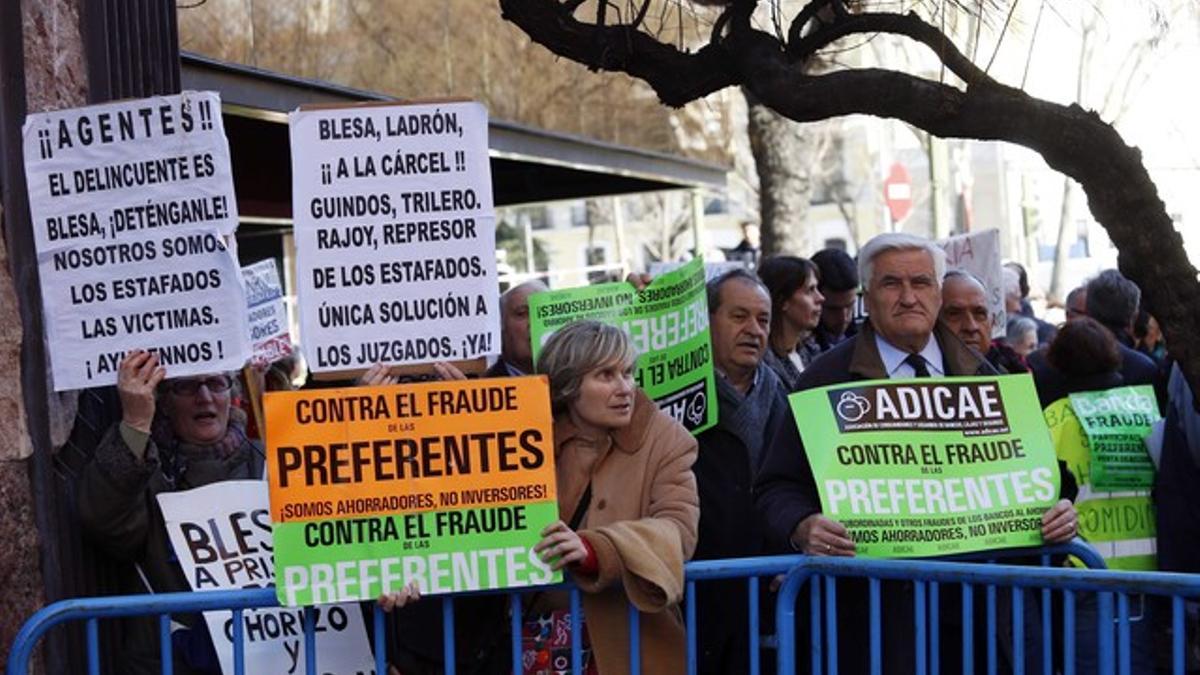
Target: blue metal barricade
column 91, row 610
column 1110, row 587
column 927, row 578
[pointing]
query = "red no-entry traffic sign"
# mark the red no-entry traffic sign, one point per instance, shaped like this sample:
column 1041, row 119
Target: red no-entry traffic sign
column 897, row 192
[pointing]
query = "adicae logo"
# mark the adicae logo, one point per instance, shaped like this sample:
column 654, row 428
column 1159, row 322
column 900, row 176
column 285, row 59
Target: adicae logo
column 851, row 407
column 697, row 410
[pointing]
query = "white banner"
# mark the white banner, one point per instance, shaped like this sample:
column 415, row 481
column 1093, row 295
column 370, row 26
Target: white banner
column 395, row 234
column 129, row 203
column 266, row 314
column 221, row 534
column 174, row 293
column 979, row 254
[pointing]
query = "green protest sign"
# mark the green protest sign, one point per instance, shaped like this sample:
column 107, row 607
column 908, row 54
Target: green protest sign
column 1117, row 422
column 668, row 322
column 1119, row 525
column 926, row 467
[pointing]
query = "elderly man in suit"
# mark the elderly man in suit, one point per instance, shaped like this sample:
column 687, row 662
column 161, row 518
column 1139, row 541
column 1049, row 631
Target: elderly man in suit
column 902, row 339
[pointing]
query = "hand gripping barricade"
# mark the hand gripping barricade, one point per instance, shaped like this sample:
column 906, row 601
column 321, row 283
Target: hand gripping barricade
column 820, row 573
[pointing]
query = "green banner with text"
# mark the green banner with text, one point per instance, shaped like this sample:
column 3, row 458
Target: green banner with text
column 927, row 467
column 668, row 322
column 1117, row 422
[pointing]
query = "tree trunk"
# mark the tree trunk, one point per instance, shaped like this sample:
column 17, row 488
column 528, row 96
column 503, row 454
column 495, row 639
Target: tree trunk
column 783, row 156
column 1062, row 249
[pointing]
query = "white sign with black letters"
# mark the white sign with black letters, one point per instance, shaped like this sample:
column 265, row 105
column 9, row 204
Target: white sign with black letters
column 395, row 234
column 132, row 204
column 221, row 534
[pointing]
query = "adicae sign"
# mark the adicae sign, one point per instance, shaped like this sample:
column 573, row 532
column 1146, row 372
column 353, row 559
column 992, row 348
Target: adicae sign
column 897, row 192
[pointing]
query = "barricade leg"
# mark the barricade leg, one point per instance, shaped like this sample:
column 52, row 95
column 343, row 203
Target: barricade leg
column 968, row 628
column 991, row 630
column 239, row 647
column 1104, row 624
column 635, row 640
column 752, row 589
column 1068, row 632
column 876, row 640
column 690, row 623
column 379, row 623
column 515, row 628
column 831, row 630
column 935, row 629
column 164, row 645
column 93, row 647
column 310, row 641
column 1123, row 642
column 1177, row 635
column 817, row 646
column 577, row 631
column 919, row 618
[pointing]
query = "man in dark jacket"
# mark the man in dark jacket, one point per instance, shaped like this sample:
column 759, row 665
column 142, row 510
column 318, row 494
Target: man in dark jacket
column 839, row 284
column 751, row 401
column 1113, row 301
column 902, row 339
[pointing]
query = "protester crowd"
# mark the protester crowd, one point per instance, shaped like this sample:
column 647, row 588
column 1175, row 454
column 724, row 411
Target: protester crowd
column 638, row 496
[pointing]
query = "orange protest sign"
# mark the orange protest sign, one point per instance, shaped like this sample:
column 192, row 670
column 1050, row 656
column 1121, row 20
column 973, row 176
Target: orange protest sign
column 379, row 476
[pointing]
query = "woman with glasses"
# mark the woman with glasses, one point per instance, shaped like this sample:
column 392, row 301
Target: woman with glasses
column 174, row 435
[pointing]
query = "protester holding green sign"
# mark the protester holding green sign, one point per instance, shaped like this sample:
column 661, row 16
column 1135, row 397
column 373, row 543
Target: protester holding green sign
column 926, row 467
column 1098, row 428
column 668, row 323
column 1086, row 408
column 903, row 341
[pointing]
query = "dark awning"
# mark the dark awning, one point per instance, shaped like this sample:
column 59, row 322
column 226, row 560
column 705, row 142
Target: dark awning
column 528, row 165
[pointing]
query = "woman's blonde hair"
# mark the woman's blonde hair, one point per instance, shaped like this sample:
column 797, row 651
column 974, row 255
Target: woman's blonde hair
column 577, row 350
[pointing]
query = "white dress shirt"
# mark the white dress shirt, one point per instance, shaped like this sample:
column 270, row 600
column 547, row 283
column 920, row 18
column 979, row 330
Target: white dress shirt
column 894, row 364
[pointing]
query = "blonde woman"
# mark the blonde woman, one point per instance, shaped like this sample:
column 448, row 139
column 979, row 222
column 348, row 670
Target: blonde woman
column 627, row 503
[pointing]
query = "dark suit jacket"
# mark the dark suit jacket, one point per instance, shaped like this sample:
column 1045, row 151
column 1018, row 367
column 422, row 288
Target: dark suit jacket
column 785, row 490
column 786, row 493
column 1136, row 368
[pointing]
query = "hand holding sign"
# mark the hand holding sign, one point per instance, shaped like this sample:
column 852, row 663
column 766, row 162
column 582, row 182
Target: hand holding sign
column 397, row 599
column 137, row 379
column 377, row 375
column 561, row 542
column 818, row 535
column 1060, row 523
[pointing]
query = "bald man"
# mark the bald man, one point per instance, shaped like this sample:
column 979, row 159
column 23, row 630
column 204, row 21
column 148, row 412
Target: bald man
column 516, row 348
column 965, row 310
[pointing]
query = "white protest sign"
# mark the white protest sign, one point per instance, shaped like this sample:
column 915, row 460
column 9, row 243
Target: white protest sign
column 266, row 314
column 174, row 293
column 395, row 234
column 109, row 172
column 979, row 254
column 221, row 534
column 130, row 202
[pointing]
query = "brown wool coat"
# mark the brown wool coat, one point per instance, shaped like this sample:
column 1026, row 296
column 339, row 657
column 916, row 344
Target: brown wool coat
column 642, row 524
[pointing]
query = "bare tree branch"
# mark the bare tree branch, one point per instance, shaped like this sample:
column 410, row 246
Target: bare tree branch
column 676, row 76
column 909, row 25
column 1071, row 140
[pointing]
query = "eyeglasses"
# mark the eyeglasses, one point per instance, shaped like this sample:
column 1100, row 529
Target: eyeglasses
column 216, row 384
